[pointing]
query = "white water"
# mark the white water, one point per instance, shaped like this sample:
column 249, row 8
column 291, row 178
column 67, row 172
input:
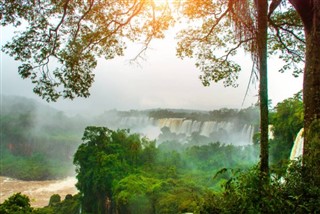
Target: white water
column 297, row 149
column 39, row 192
column 225, row 131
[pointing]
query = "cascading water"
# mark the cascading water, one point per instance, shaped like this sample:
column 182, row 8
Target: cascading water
column 297, row 149
column 131, row 122
column 229, row 132
column 174, row 124
column 186, row 127
column 247, row 133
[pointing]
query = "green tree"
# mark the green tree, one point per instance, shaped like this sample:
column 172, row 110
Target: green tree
column 286, row 120
column 73, row 34
column 137, row 194
column 178, row 196
column 98, row 165
column 17, row 203
column 103, row 159
column 54, row 199
column 70, row 205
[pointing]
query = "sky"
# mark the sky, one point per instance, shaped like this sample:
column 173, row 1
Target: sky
column 160, row 81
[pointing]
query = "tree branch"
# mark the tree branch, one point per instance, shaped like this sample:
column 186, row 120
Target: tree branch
column 205, row 38
column 226, row 56
column 277, row 27
column 65, row 7
column 290, row 51
column 82, row 17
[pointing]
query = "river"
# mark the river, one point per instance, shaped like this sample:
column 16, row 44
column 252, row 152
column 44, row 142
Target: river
column 39, row 192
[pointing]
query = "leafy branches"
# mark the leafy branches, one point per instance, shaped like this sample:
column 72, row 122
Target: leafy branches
column 231, row 25
column 62, row 40
column 287, row 39
column 224, row 25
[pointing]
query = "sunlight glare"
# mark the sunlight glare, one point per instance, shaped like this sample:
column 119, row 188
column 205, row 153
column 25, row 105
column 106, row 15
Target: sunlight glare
column 162, row 2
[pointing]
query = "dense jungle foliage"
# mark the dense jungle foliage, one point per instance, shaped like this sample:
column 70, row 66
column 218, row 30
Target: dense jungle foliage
column 121, row 172
column 38, row 142
column 239, row 194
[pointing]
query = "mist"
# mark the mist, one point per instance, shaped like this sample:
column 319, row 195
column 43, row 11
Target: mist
column 191, row 147
column 44, row 134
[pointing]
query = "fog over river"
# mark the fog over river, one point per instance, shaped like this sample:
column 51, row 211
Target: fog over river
column 39, row 192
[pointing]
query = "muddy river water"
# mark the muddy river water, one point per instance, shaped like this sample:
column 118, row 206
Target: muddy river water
column 39, row 192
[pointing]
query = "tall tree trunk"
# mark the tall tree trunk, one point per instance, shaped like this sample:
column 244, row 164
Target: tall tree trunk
column 262, row 7
column 311, row 98
column 309, row 11
column 311, row 82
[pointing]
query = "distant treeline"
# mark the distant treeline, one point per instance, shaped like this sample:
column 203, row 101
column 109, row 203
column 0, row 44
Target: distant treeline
column 249, row 115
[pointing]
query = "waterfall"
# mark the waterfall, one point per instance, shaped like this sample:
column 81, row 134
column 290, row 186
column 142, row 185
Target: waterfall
column 224, row 131
column 173, row 124
column 247, row 133
column 131, row 122
column 207, row 128
column 229, row 132
column 297, row 148
column 270, row 132
column 186, row 127
column 196, row 125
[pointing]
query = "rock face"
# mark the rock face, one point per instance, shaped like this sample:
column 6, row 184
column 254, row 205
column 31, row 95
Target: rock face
column 39, row 192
